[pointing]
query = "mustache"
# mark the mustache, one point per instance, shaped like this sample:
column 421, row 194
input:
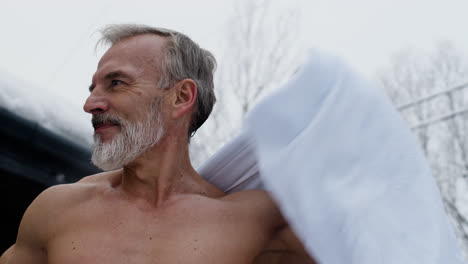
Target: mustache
column 104, row 119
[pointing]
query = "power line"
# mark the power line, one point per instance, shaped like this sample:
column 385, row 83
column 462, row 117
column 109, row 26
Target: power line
column 430, row 97
column 440, row 118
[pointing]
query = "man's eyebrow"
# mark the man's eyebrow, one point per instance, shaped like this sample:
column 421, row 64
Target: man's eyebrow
column 111, row 75
column 116, row 74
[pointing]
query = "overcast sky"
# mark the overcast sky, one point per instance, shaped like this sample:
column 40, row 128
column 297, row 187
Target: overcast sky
column 50, row 43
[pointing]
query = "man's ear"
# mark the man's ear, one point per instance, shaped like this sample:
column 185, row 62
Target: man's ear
column 184, row 98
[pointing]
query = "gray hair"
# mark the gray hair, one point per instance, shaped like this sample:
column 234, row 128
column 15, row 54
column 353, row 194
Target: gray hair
column 182, row 59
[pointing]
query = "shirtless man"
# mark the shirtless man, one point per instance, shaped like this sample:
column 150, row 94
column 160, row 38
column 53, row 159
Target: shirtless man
column 152, row 89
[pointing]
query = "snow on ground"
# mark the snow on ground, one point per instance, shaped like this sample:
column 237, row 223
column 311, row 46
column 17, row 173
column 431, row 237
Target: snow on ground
column 46, row 108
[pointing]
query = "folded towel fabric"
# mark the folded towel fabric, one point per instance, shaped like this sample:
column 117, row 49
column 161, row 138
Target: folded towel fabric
column 344, row 168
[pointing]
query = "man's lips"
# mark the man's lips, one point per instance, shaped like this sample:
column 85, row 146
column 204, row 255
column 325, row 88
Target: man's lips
column 99, row 128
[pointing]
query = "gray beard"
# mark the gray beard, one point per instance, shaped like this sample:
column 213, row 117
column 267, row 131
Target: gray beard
column 133, row 140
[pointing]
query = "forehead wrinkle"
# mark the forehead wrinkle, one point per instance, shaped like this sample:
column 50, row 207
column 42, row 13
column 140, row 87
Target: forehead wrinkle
column 112, row 71
column 144, row 53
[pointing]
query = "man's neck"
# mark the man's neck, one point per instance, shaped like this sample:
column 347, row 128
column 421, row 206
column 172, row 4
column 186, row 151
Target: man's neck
column 162, row 172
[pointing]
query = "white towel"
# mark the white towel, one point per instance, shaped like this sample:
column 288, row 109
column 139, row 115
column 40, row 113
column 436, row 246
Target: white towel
column 345, row 170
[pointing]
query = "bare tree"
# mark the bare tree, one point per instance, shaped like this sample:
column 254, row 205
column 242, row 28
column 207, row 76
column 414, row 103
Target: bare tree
column 406, row 79
column 262, row 52
column 452, row 69
column 413, row 75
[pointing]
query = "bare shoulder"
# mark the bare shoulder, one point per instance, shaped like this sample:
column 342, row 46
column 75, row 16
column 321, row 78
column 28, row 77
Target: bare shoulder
column 254, row 206
column 251, row 196
column 38, row 223
column 284, row 246
column 258, row 203
column 55, row 200
column 62, row 196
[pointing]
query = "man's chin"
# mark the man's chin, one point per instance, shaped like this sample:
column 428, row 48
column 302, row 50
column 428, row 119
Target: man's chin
column 110, row 168
column 104, row 136
column 107, row 155
column 105, row 165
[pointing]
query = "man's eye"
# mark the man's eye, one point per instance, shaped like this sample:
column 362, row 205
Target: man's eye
column 116, row 82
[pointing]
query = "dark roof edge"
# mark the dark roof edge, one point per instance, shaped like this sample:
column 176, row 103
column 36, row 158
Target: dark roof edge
column 36, row 136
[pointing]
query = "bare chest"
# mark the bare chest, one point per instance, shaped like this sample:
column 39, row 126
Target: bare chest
column 181, row 234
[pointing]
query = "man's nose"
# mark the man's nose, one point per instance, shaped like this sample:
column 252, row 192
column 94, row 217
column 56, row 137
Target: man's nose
column 96, row 104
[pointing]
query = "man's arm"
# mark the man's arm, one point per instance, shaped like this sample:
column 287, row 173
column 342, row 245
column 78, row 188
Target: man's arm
column 30, row 246
column 6, row 255
column 284, row 248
